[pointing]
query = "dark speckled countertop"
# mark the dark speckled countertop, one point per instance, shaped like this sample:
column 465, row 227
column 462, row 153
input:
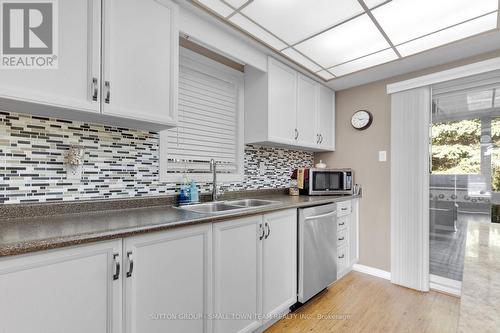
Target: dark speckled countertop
column 29, row 234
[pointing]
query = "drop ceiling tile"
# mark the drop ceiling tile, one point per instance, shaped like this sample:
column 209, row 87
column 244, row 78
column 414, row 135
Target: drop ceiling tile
column 236, row 3
column 365, row 62
column 299, row 58
column 217, row 6
column 294, row 20
column 257, row 31
column 326, row 75
column 348, row 41
column 449, row 35
column 373, row 3
column 404, row 20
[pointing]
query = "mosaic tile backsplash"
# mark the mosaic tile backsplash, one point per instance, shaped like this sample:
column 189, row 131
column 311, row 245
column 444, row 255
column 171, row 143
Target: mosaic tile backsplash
column 118, row 162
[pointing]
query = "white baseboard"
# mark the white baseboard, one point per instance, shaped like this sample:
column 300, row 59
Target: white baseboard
column 372, row 271
column 444, row 285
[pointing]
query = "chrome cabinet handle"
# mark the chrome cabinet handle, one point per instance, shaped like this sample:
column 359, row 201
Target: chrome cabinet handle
column 130, row 259
column 343, row 208
column 107, row 85
column 296, row 134
column 341, row 238
column 321, row 138
column 262, row 232
column 116, row 259
column 342, row 256
column 342, row 223
column 95, row 89
column 268, row 231
column 317, row 138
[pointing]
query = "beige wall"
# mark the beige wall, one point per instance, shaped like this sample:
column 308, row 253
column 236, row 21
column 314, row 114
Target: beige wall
column 359, row 150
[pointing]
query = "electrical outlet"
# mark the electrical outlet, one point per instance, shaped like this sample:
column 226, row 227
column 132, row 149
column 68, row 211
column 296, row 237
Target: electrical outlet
column 262, row 167
column 74, row 172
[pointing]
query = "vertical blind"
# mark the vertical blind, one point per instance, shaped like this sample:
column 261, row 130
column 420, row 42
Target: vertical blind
column 208, row 120
column 410, row 116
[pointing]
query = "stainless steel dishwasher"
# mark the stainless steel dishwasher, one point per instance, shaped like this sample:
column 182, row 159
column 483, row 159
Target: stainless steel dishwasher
column 317, row 250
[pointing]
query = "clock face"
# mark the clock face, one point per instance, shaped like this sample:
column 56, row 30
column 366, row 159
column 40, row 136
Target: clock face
column 361, row 119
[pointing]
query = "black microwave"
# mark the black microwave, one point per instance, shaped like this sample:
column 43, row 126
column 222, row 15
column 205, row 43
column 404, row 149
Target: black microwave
column 327, row 181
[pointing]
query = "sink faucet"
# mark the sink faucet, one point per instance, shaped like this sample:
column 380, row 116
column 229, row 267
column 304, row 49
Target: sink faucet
column 213, row 168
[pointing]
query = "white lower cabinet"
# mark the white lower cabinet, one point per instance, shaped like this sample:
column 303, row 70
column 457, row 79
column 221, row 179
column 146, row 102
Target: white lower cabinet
column 73, row 290
column 255, row 273
column 167, row 281
column 279, row 263
column 237, row 283
column 347, row 236
column 232, row 276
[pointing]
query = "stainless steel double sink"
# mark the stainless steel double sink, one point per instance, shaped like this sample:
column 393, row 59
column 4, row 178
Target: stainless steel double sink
column 220, row 207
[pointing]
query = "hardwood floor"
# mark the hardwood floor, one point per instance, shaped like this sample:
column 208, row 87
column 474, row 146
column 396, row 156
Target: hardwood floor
column 362, row 303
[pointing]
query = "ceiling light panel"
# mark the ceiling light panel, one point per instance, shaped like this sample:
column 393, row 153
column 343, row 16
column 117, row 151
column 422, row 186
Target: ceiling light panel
column 449, row 35
column 295, row 20
column 365, row 62
column 403, row 20
column 348, row 41
column 324, row 74
column 236, row 3
column 299, row 58
column 217, row 6
column 374, row 3
column 257, row 31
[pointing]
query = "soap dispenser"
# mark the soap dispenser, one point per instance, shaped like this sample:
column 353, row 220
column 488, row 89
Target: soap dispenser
column 193, row 192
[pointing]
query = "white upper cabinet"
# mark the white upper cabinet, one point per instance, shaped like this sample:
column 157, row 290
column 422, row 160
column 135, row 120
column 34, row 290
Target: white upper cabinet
column 282, row 102
column 117, row 61
column 141, row 41
column 307, row 101
column 71, row 85
column 325, row 124
column 286, row 109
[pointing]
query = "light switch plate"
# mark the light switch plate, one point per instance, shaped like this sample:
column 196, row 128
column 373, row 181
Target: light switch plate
column 382, row 156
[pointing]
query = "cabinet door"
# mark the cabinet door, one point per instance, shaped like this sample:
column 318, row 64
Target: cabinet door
column 282, row 102
column 141, row 56
column 279, row 263
column 71, row 84
column 66, row 290
column 237, row 249
column 307, row 101
column 326, row 117
column 168, row 281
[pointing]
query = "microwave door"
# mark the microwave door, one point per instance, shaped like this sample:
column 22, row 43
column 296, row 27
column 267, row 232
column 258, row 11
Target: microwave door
column 336, row 181
column 320, row 181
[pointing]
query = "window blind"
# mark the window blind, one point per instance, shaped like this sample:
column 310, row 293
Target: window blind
column 208, row 120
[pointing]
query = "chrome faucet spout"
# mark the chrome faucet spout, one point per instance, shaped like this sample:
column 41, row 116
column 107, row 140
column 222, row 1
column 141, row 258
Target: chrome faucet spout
column 213, row 168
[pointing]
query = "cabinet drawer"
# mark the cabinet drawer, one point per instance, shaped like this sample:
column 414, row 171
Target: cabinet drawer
column 341, row 238
column 341, row 258
column 344, row 208
column 342, row 222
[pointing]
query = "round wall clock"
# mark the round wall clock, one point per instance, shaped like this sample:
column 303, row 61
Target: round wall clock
column 361, row 119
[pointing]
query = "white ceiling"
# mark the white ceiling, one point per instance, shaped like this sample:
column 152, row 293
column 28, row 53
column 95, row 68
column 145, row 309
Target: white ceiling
column 339, row 40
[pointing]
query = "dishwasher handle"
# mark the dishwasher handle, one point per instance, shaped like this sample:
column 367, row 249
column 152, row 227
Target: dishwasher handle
column 320, row 216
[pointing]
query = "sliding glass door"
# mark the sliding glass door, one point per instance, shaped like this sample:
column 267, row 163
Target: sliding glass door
column 465, row 167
